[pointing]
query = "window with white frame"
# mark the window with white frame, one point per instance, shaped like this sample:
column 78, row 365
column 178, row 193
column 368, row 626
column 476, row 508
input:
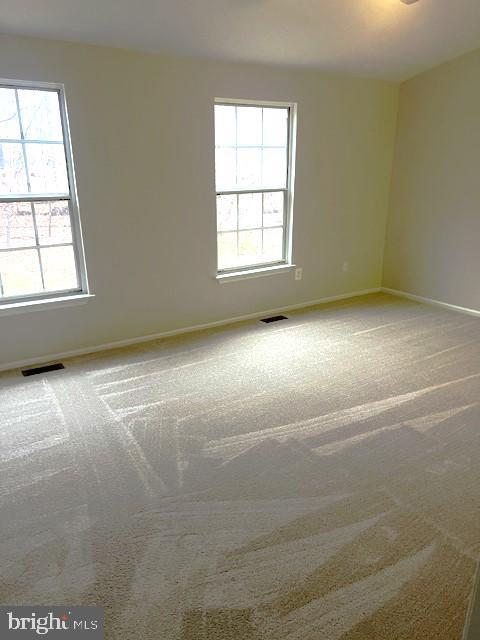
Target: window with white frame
column 253, row 174
column 40, row 247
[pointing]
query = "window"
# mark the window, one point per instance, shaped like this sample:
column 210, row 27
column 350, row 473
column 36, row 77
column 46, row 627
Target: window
column 253, row 174
column 40, row 247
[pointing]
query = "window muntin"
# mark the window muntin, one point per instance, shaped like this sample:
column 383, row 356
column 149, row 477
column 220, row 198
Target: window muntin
column 252, row 173
column 40, row 249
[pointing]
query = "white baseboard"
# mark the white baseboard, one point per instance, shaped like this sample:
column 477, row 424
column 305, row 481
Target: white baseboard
column 436, row 303
column 20, row 364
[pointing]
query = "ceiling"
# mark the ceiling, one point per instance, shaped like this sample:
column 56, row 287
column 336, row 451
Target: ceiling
column 376, row 38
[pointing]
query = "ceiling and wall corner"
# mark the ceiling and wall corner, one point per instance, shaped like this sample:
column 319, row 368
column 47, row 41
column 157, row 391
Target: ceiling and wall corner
column 385, row 39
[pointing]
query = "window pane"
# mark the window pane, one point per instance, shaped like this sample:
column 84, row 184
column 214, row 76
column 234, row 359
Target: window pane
column 250, row 246
column 16, row 225
column 9, row 126
column 249, row 167
column 273, row 244
column 224, row 125
column 20, row 273
column 249, row 126
column 274, row 168
column 249, row 210
column 40, row 115
column 47, row 168
column 53, row 222
column 273, row 209
column 13, row 178
column 227, row 213
column 260, row 135
column 225, row 168
column 227, row 250
column 275, row 127
column 59, row 268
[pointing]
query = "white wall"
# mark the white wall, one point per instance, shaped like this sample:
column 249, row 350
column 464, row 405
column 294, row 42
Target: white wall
column 142, row 133
column 433, row 239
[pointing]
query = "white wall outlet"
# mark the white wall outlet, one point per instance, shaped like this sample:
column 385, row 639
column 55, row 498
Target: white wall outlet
column 346, row 266
column 298, row 273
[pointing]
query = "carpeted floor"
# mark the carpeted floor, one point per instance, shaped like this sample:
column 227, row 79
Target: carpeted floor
column 313, row 479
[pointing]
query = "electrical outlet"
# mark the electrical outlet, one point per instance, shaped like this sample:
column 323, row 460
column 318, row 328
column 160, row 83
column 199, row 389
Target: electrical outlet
column 346, row 266
column 298, row 273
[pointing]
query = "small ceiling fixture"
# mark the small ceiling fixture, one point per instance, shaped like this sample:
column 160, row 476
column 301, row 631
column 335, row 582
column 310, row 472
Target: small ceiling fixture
column 409, row 1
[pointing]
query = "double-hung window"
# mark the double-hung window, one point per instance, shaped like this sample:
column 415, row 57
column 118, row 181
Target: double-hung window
column 40, row 243
column 254, row 175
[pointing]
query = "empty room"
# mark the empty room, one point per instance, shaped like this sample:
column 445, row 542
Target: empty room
column 240, row 319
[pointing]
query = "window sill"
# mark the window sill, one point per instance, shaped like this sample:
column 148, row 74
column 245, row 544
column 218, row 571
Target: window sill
column 45, row 304
column 254, row 273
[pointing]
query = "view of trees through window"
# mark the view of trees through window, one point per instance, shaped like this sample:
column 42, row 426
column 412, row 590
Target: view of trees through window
column 251, row 168
column 36, row 241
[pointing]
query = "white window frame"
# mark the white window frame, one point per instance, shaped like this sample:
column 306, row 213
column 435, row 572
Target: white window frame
column 265, row 268
column 82, row 291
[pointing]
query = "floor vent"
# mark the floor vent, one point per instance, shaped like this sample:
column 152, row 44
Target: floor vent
column 45, row 369
column 274, row 319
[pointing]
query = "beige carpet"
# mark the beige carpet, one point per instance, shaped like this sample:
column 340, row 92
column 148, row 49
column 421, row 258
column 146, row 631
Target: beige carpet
column 315, row 479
